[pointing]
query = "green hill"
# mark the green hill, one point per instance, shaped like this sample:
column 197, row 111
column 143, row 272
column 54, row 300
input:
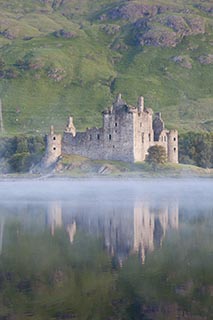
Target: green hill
column 62, row 57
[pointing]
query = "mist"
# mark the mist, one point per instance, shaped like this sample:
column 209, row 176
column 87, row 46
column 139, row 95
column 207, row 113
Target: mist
column 193, row 192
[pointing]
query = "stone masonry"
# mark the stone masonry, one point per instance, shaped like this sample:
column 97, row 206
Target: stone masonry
column 126, row 135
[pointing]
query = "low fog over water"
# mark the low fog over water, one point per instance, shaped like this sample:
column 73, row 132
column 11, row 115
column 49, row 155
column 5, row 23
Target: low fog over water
column 199, row 191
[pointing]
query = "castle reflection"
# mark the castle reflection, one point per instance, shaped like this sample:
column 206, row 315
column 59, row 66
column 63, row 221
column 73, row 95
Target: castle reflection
column 126, row 229
column 136, row 227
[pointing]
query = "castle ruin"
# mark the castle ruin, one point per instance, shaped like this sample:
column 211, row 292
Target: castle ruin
column 126, row 135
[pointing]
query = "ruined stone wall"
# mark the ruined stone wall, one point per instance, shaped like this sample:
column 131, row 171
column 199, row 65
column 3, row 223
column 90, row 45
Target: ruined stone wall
column 143, row 134
column 112, row 142
column 163, row 140
column 88, row 144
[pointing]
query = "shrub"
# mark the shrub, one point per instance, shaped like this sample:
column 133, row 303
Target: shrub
column 156, row 155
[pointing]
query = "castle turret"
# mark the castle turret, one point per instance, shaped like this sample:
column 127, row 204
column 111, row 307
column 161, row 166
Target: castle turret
column 53, row 148
column 173, row 146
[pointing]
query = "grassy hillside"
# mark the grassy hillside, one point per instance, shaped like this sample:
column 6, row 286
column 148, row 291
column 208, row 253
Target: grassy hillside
column 72, row 57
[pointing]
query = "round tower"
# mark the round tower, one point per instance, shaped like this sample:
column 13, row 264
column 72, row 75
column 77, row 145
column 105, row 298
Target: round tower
column 53, row 147
column 173, row 146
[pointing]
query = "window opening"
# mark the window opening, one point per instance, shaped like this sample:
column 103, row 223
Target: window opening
column 142, row 137
column 110, row 137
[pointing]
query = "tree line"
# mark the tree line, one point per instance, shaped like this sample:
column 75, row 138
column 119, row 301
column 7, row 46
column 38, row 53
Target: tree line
column 196, row 149
column 20, row 153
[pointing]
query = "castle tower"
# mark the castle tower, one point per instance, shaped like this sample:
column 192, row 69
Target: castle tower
column 173, row 146
column 53, row 148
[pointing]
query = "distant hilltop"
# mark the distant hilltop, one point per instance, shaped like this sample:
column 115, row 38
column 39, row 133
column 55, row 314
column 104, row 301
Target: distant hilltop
column 126, row 135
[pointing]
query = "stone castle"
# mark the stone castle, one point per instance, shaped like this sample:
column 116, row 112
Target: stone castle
column 126, row 135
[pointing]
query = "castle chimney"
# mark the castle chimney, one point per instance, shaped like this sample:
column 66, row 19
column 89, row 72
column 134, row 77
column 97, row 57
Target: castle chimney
column 70, row 126
column 52, row 129
column 118, row 101
column 1, row 118
column 158, row 115
column 119, row 97
column 141, row 104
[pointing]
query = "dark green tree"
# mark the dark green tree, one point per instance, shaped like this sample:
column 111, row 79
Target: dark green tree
column 196, row 148
column 156, row 155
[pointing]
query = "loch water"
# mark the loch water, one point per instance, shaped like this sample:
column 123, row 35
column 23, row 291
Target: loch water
column 104, row 249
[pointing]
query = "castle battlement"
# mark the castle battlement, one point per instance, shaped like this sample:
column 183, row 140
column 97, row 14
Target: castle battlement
column 126, row 135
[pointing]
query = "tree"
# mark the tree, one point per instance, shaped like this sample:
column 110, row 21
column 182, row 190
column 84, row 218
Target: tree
column 196, row 148
column 156, row 155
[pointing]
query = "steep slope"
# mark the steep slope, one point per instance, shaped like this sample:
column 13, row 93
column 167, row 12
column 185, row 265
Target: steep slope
column 61, row 57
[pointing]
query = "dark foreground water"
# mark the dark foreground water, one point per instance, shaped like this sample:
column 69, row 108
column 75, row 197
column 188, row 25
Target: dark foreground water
column 106, row 250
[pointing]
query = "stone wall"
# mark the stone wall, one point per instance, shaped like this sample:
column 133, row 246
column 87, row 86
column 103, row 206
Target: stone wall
column 118, row 134
column 112, row 142
column 143, row 134
column 87, row 144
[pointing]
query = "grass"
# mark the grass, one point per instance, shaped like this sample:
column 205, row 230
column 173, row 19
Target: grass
column 77, row 166
column 81, row 75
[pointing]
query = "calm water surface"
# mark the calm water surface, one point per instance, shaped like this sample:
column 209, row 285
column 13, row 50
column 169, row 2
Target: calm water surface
column 106, row 250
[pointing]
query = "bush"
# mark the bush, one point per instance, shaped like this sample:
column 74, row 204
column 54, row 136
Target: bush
column 156, row 155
